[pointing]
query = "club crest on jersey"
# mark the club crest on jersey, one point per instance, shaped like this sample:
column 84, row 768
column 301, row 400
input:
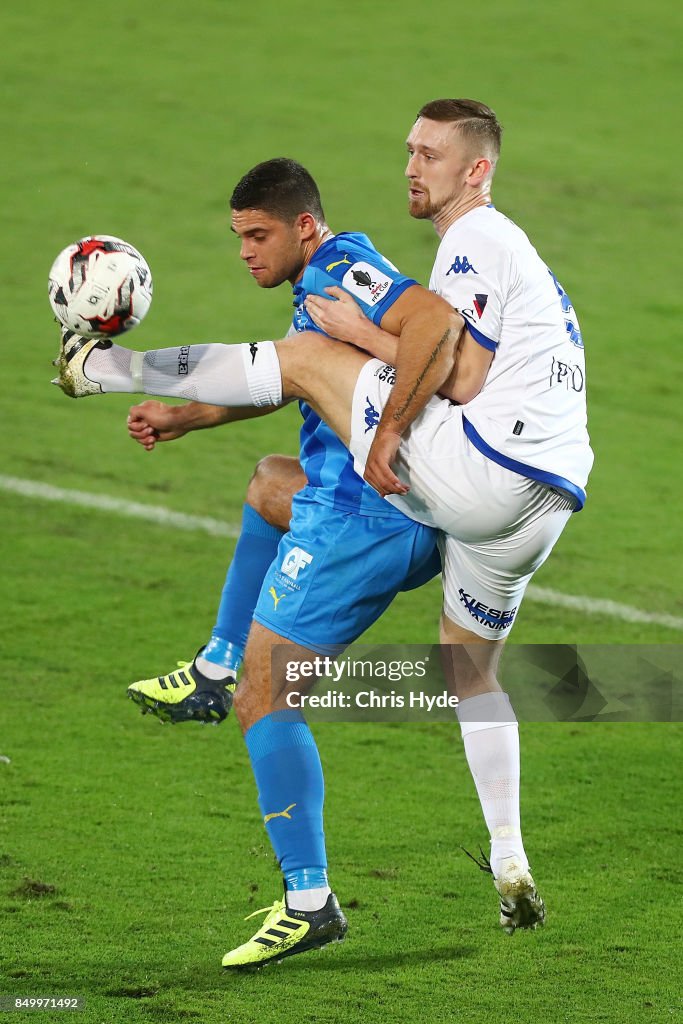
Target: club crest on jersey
column 366, row 283
column 477, row 308
column 460, row 265
column 480, row 304
column 294, row 561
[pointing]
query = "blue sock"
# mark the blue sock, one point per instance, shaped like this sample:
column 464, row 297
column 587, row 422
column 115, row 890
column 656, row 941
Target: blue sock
column 291, row 793
column 256, row 548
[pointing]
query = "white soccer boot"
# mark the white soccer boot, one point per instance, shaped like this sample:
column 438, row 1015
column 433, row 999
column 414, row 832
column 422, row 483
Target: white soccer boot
column 73, row 352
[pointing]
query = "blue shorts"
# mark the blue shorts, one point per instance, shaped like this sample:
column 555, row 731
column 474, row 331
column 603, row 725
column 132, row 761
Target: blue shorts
column 336, row 572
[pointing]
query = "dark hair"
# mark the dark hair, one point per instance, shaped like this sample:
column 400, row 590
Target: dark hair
column 281, row 187
column 477, row 122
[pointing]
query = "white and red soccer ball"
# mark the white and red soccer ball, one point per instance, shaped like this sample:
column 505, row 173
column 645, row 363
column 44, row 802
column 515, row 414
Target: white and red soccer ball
column 100, row 287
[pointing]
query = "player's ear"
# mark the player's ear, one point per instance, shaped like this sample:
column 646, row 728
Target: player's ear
column 307, row 225
column 480, row 170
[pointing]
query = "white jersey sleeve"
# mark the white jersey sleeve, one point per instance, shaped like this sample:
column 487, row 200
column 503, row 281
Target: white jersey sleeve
column 530, row 415
column 475, row 278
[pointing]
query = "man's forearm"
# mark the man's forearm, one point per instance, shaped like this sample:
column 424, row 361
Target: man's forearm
column 425, row 358
column 200, row 416
column 376, row 342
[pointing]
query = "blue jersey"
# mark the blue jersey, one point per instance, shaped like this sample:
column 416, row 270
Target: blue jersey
column 350, row 261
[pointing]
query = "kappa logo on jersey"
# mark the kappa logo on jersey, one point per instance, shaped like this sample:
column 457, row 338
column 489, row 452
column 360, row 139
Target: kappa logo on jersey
column 371, row 416
column 331, row 266
column 460, row 265
column 568, row 374
column 367, row 283
column 294, row 561
column 184, row 361
column 253, row 348
column 494, row 618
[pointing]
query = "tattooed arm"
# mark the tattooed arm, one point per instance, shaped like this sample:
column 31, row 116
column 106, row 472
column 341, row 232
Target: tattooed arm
column 428, row 330
column 340, row 316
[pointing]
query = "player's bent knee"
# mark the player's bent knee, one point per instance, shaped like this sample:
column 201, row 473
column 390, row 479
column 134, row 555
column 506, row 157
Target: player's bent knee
column 469, row 660
column 274, row 482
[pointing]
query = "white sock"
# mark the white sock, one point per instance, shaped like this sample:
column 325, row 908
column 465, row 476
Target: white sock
column 491, row 737
column 308, row 899
column 110, row 368
column 213, row 671
column 232, row 375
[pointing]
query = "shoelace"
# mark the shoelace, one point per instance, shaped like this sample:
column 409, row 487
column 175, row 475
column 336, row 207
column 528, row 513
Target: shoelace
column 484, row 864
column 277, row 906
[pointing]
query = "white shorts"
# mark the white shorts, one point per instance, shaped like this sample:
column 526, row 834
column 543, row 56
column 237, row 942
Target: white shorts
column 497, row 527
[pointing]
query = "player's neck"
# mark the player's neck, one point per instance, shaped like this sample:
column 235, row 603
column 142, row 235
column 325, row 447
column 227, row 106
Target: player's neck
column 456, row 209
column 322, row 235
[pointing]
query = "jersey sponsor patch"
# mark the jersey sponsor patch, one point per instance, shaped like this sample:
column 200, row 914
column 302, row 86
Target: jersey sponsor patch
column 386, row 373
column 366, row 283
column 477, row 308
column 480, row 304
column 568, row 375
column 494, row 618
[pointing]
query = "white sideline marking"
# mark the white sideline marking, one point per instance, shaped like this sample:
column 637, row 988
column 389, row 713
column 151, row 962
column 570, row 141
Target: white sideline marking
column 130, row 509
column 218, row 528
column 600, row 606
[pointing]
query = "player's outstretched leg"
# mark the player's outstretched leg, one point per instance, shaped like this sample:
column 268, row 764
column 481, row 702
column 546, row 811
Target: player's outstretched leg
column 236, row 376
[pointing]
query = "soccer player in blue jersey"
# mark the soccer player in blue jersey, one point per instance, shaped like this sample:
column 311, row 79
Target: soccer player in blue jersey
column 345, row 556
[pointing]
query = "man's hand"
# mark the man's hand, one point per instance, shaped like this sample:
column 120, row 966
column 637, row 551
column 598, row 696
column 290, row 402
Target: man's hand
column 153, row 421
column 378, row 471
column 339, row 317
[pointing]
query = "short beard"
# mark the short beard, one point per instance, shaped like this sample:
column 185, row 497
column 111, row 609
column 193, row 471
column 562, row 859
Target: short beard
column 421, row 211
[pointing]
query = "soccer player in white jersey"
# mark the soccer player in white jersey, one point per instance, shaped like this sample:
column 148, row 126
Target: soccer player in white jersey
column 499, row 474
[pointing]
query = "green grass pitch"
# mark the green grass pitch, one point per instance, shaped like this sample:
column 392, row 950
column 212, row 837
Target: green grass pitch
column 129, row 853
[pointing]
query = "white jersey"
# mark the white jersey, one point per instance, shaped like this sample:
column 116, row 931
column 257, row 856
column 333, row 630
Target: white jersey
column 530, row 415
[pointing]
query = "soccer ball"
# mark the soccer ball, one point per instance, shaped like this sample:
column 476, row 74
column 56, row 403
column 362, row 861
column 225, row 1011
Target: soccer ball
column 100, row 287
